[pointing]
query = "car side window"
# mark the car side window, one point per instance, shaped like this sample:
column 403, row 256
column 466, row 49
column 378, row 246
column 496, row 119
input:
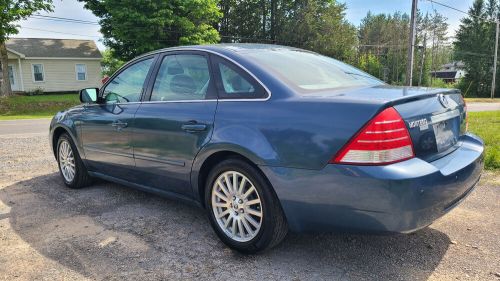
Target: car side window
column 235, row 83
column 182, row 77
column 127, row 85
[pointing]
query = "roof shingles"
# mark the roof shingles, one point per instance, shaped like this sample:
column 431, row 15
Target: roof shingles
column 57, row 48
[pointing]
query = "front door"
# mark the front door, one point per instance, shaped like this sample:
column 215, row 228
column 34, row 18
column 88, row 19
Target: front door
column 106, row 126
column 14, row 85
column 176, row 122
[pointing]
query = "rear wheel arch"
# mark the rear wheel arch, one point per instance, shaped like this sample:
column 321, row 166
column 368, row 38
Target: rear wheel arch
column 216, row 158
column 268, row 230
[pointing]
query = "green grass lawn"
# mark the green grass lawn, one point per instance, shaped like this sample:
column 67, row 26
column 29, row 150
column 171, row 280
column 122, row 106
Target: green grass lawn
column 482, row 100
column 41, row 106
column 487, row 126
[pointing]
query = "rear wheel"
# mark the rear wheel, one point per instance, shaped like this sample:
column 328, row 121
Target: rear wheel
column 71, row 167
column 243, row 210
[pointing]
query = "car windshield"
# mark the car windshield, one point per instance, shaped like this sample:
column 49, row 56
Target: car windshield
column 308, row 71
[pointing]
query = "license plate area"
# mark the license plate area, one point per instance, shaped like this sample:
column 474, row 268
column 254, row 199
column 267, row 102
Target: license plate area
column 446, row 127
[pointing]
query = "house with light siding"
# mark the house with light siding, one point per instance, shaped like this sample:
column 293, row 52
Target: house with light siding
column 53, row 65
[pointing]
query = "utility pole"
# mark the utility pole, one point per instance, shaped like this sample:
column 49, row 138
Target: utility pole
column 411, row 47
column 423, row 61
column 495, row 64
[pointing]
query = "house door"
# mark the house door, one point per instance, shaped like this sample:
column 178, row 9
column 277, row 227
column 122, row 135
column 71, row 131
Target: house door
column 14, row 84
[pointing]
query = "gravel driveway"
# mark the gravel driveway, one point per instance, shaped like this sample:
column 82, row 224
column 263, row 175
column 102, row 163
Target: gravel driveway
column 109, row 232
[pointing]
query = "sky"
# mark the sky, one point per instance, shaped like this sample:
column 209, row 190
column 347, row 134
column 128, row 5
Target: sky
column 356, row 10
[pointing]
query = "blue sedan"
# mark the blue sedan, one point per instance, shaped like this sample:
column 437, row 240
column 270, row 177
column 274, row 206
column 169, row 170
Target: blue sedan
column 269, row 139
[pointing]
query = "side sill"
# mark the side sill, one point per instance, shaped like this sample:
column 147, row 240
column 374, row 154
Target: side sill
column 162, row 193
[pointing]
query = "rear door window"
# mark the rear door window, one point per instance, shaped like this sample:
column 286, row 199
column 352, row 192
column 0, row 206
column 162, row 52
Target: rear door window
column 182, row 77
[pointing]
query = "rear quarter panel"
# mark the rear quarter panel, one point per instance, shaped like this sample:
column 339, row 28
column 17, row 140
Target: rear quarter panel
column 291, row 132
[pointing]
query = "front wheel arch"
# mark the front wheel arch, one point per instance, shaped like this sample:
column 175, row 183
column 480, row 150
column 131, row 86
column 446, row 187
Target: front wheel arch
column 58, row 131
column 55, row 138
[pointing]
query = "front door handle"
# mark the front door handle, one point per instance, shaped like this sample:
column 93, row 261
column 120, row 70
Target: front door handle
column 194, row 127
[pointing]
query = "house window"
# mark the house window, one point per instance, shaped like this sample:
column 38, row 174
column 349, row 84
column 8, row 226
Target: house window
column 81, row 72
column 38, row 72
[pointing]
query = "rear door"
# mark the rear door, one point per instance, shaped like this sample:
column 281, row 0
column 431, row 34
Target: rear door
column 175, row 120
column 106, row 126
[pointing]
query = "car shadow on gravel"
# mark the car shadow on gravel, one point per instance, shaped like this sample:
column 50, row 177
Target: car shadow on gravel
column 108, row 231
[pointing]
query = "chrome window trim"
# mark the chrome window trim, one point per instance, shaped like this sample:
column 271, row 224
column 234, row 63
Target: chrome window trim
column 269, row 93
column 173, row 101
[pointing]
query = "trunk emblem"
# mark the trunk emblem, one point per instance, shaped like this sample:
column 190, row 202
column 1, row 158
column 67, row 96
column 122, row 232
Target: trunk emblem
column 421, row 123
column 443, row 100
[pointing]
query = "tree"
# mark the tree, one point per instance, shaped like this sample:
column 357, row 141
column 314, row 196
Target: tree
column 322, row 27
column 384, row 36
column 134, row 27
column 370, row 63
column 110, row 64
column 317, row 25
column 432, row 32
column 13, row 11
column 474, row 45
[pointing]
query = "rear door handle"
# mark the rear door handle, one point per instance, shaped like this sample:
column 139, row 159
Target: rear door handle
column 119, row 124
column 194, row 127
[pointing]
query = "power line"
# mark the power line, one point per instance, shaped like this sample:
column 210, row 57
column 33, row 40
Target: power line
column 67, row 19
column 52, row 31
column 64, row 20
column 460, row 11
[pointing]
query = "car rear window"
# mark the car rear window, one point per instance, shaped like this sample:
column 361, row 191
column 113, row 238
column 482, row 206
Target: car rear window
column 309, row 71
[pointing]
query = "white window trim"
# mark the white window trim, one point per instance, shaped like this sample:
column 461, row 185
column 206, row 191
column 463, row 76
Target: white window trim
column 33, row 72
column 76, row 72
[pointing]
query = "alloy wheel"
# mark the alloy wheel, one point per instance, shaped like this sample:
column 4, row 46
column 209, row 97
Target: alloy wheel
column 237, row 206
column 67, row 161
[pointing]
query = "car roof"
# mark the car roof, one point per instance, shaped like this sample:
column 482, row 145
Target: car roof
column 226, row 48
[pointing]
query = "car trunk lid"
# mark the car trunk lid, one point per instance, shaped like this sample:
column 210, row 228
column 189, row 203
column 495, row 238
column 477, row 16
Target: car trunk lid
column 435, row 118
column 435, row 123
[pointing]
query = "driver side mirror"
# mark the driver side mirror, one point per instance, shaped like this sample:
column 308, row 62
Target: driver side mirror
column 89, row 95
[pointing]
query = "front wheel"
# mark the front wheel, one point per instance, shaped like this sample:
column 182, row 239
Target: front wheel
column 243, row 210
column 73, row 171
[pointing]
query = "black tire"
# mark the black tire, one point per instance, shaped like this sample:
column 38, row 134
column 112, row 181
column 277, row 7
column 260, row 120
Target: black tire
column 81, row 177
column 273, row 225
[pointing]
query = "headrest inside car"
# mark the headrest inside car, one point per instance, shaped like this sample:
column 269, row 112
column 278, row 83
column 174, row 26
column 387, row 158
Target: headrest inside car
column 175, row 70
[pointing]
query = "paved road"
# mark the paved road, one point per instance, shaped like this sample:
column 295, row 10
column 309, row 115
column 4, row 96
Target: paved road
column 29, row 127
column 483, row 106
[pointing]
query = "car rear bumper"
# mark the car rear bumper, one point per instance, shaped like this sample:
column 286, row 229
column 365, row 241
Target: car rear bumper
column 401, row 197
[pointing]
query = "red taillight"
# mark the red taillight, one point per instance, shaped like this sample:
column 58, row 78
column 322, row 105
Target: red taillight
column 385, row 139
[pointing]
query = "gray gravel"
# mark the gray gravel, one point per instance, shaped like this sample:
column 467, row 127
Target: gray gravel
column 110, row 232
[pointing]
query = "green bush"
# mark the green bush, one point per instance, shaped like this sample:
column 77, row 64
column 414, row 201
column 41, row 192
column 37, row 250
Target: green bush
column 35, row 92
column 439, row 83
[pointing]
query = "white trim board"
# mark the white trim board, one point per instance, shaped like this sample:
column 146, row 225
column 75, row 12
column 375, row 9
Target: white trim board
column 17, row 53
column 58, row 58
